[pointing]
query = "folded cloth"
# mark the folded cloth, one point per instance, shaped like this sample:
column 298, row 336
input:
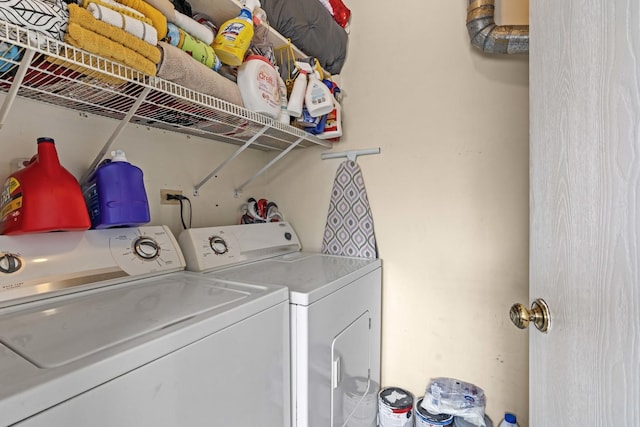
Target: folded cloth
column 349, row 228
column 193, row 27
column 158, row 19
column 165, row 7
column 130, row 25
column 84, row 18
column 102, row 46
column 114, row 5
column 46, row 17
column 180, row 68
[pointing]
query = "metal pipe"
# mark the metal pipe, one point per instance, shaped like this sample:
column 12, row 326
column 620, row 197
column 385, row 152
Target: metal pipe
column 492, row 38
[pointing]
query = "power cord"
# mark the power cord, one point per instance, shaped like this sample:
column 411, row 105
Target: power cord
column 180, row 198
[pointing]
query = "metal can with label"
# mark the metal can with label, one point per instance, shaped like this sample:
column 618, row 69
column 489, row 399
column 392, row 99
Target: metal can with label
column 425, row 418
column 395, row 407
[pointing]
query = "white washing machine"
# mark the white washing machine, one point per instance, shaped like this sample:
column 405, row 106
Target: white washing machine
column 104, row 328
column 335, row 305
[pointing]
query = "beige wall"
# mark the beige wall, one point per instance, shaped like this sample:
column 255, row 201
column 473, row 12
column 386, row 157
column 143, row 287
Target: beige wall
column 449, row 193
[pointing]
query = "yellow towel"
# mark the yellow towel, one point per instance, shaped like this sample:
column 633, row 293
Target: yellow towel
column 158, row 19
column 95, row 43
column 85, row 19
column 121, row 10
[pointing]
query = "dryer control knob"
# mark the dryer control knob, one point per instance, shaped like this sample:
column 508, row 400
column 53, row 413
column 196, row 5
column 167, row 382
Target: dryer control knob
column 146, row 248
column 219, row 245
column 10, row 263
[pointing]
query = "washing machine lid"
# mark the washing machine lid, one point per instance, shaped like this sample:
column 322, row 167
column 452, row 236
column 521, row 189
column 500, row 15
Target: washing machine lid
column 67, row 329
column 309, row 276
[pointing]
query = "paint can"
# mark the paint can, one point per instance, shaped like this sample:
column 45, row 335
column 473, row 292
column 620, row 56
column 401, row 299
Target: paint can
column 395, row 407
column 425, row 418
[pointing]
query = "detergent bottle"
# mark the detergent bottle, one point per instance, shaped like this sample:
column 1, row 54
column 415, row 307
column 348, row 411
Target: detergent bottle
column 115, row 194
column 317, row 99
column 42, row 197
column 296, row 99
column 233, row 39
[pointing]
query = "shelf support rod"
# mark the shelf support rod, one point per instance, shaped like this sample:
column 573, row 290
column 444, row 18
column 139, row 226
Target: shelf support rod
column 268, row 165
column 116, row 133
column 351, row 155
column 233, row 156
column 17, row 82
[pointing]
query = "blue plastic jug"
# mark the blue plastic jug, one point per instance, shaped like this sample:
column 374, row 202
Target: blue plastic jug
column 115, row 194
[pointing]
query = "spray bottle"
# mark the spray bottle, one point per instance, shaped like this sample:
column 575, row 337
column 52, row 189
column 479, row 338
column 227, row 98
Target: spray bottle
column 234, row 37
column 317, row 99
column 296, row 99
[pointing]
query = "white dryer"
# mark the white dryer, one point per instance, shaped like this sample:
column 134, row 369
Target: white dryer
column 104, row 328
column 335, row 305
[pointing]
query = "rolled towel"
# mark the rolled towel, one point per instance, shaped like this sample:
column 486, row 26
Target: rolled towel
column 114, row 5
column 95, row 43
column 83, row 18
column 158, row 19
column 165, row 7
column 198, row 50
column 130, row 25
column 193, row 27
column 180, row 68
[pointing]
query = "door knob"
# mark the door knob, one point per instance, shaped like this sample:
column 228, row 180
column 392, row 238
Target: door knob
column 539, row 315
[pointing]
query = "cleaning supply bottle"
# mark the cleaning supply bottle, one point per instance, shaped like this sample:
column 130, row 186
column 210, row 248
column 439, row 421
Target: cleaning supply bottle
column 234, row 37
column 317, row 99
column 296, row 99
column 115, row 194
column 258, row 85
column 509, row 421
column 284, row 116
column 333, row 126
column 42, row 197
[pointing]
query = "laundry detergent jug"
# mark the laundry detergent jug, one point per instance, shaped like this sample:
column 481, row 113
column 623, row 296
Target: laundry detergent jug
column 115, row 194
column 42, row 197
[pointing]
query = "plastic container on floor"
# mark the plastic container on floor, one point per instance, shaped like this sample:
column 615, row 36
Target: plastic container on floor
column 42, row 197
column 115, row 194
column 509, row 420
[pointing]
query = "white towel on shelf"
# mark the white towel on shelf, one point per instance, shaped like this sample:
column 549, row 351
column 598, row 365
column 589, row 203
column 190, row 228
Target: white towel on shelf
column 349, row 229
column 194, row 28
column 131, row 25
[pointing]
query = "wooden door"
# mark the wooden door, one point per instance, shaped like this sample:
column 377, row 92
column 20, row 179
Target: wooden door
column 585, row 212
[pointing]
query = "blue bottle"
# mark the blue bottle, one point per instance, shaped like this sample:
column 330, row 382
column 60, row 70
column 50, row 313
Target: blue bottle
column 115, row 194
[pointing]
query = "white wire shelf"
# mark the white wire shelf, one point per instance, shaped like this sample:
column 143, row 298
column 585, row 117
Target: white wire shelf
column 53, row 72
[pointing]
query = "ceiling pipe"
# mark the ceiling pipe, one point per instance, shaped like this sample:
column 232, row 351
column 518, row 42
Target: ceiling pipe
column 492, row 38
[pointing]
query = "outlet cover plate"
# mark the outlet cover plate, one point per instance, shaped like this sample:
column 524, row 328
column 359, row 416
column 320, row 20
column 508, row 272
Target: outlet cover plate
column 163, row 197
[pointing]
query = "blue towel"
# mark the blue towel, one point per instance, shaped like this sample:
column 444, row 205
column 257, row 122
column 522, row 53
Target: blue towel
column 349, row 229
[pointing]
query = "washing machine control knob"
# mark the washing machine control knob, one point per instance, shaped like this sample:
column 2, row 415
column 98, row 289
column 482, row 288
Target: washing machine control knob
column 219, row 245
column 146, row 248
column 10, row 263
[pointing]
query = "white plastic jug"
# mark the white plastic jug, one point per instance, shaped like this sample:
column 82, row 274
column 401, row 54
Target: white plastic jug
column 258, row 84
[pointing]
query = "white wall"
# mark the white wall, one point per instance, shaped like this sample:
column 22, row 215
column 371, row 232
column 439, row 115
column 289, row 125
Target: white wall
column 449, row 193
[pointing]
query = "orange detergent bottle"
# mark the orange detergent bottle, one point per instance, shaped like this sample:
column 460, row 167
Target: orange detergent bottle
column 42, row 197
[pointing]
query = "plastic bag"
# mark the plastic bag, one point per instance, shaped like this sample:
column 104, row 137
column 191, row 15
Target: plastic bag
column 455, row 397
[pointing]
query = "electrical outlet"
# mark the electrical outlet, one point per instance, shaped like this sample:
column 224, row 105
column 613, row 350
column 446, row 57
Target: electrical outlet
column 163, row 197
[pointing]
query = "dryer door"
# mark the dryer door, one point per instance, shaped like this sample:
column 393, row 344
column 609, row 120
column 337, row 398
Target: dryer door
column 351, row 375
